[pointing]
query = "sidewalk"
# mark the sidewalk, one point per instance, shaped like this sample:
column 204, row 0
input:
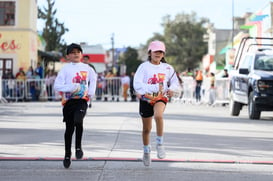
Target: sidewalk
column 31, row 144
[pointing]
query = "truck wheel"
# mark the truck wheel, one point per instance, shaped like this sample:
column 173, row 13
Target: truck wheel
column 253, row 112
column 234, row 107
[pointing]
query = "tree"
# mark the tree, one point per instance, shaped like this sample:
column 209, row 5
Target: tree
column 184, row 41
column 53, row 30
column 130, row 59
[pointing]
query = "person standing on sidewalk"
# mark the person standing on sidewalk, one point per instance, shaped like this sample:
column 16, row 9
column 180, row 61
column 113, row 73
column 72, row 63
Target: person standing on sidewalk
column 212, row 89
column 72, row 82
column 132, row 90
column 198, row 84
column 125, row 82
column 154, row 82
column 86, row 59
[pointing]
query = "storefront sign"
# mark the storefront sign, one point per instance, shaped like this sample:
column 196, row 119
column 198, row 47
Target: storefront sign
column 8, row 45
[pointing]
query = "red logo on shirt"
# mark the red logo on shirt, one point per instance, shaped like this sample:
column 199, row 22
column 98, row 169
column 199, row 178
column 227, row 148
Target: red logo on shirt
column 156, row 79
column 80, row 77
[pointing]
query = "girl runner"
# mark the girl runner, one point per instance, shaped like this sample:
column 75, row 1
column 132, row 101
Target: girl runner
column 154, row 82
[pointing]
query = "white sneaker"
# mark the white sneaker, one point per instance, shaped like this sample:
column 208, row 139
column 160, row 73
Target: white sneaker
column 160, row 151
column 146, row 159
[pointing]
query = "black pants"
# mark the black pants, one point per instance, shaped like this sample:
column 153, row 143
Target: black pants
column 73, row 114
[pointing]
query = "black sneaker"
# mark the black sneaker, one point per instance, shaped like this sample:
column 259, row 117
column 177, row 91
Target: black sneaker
column 67, row 162
column 79, row 153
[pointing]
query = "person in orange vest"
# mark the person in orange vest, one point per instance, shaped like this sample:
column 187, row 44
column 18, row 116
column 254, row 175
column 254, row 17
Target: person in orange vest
column 199, row 80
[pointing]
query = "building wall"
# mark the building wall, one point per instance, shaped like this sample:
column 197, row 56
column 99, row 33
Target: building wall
column 266, row 23
column 18, row 42
column 96, row 54
column 217, row 40
column 28, row 10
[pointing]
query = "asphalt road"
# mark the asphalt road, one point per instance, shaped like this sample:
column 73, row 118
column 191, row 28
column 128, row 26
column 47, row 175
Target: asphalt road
column 202, row 143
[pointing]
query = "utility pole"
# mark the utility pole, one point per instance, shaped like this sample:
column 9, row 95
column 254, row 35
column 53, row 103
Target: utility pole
column 113, row 51
column 232, row 33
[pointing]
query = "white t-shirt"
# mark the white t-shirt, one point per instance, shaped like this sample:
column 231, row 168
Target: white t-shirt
column 125, row 80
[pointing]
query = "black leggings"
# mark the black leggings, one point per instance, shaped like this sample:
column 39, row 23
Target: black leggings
column 74, row 112
column 68, row 136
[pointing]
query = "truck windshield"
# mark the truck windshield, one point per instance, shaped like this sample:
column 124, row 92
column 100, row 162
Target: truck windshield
column 264, row 62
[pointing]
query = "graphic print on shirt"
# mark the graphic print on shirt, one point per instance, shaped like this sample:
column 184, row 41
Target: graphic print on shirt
column 155, row 97
column 159, row 78
column 77, row 78
column 80, row 78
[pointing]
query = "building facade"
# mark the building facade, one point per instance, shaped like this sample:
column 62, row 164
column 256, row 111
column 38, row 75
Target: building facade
column 222, row 44
column 18, row 35
column 96, row 54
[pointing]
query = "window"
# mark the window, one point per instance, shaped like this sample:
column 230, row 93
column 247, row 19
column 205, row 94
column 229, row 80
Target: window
column 264, row 63
column 246, row 62
column 5, row 66
column 7, row 13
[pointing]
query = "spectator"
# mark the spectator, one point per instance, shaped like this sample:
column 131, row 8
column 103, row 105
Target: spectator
column 40, row 70
column 20, row 88
column 181, row 85
column 225, row 73
column 212, row 89
column 35, row 87
column 86, row 60
column 100, row 86
column 132, row 90
column 20, row 73
column 8, row 84
column 8, row 74
column 30, row 72
column 107, row 84
column 115, row 87
column 198, row 80
column 125, row 82
column 49, row 81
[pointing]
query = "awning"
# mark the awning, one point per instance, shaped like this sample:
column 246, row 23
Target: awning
column 49, row 56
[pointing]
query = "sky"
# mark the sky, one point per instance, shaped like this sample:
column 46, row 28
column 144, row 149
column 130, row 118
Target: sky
column 132, row 23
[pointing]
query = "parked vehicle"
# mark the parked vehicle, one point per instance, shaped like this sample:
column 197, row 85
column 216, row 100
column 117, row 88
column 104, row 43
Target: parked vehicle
column 251, row 81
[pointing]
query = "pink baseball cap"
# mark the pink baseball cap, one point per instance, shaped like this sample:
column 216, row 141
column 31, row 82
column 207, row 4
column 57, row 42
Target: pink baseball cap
column 157, row 46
